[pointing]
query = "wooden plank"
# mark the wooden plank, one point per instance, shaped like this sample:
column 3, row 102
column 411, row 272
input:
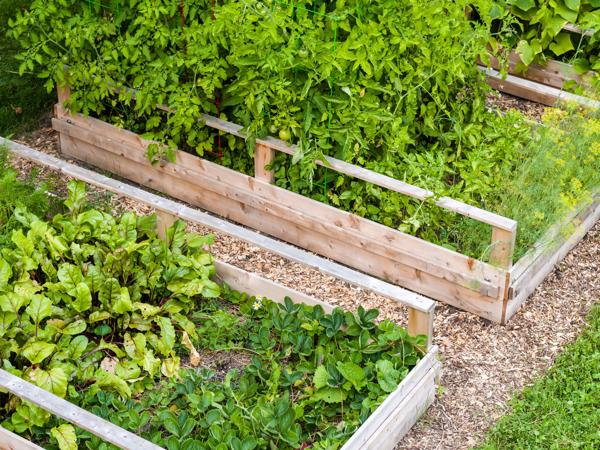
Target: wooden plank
column 465, row 298
column 11, row 441
column 193, row 215
column 553, row 73
column 263, row 156
column 164, row 220
column 406, row 415
column 366, row 175
column 575, row 29
column 394, row 401
column 420, row 323
column 63, row 93
column 331, row 221
column 71, row 413
column 502, row 248
column 255, row 285
column 550, row 250
column 374, row 178
column 531, row 90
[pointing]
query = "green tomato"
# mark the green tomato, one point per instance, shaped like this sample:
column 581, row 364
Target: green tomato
column 273, row 129
column 303, row 53
column 284, row 134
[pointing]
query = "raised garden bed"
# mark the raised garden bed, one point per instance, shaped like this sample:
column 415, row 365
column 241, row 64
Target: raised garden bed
column 491, row 291
column 540, row 84
column 370, row 247
column 382, row 428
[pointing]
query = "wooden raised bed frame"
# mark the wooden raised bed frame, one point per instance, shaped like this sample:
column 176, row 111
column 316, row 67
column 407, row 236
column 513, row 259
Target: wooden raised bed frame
column 382, row 430
column 420, row 309
column 486, row 289
column 541, row 84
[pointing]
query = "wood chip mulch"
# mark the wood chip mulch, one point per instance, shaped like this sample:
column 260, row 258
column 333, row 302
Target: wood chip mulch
column 484, row 364
column 505, row 102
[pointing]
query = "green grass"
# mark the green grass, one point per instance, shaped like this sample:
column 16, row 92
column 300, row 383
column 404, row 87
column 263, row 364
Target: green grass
column 23, row 100
column 562, row 409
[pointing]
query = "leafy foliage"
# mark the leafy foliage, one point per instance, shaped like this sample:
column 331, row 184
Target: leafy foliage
column 23, row 99
column 310, row 379
column 358, row 81
column 70, row 287
column 557, row 173
column 98, row 310
column 539, row 33
column 390, row 86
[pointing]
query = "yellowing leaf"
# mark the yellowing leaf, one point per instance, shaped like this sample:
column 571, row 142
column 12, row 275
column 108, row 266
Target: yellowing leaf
column 65, row 436
column 54, row 380
column 170, row 367
column 194, row 355
column 36, row 352
column 146, row 309
column 167, row 332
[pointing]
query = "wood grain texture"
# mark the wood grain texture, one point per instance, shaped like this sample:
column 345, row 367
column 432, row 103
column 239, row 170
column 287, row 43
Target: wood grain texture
column 263, row 156
column 184, row 212
column 332, row 221
column 398, row 258
column 11, row 441
column 553, row 73
column 502, row 248
column 530, row 90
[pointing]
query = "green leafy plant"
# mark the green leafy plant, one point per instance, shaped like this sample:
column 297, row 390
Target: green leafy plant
column 99, row 310
column 70, row 287
column 540, row 31
column 307, row 378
